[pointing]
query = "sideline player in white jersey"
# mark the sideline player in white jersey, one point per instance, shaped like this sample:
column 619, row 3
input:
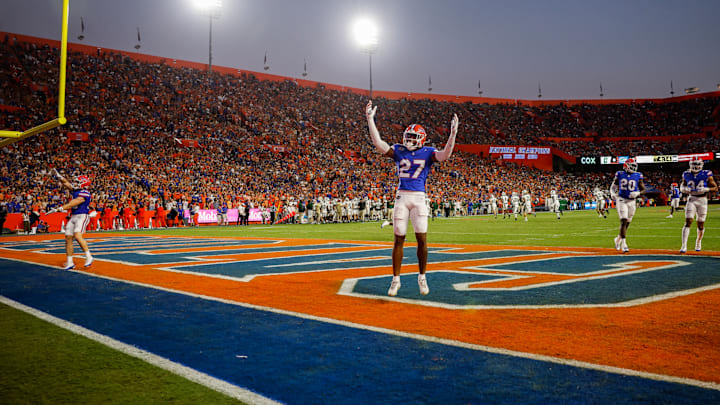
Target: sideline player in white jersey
column 493, row 205
column 600, row 202
column 79, row 216
column 515, row 201
column 626, row 187
column 526, row 204
column 505, row 201
column 554, row 203
column 698, row 183
column 413, row 161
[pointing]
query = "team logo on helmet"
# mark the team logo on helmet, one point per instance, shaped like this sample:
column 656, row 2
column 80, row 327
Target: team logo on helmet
column 696, row 164
column 414, row 137
column 630, row 165
column 81, row 181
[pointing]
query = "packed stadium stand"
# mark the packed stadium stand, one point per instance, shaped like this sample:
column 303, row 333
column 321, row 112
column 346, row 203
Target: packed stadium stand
column 156, row 132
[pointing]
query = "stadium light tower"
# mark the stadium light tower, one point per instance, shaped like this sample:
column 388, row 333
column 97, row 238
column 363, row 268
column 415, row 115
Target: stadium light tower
column 366, row 32
column 210, row 8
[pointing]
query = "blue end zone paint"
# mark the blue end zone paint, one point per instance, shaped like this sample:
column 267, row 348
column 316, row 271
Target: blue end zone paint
column 297, row 360
column 159, row 258
column 342, row 260
column 700, row 272
column 132, row 243
column 590, row 264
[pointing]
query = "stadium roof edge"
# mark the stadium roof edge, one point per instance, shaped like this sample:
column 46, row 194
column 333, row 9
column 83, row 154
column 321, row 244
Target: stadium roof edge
column 393, row 95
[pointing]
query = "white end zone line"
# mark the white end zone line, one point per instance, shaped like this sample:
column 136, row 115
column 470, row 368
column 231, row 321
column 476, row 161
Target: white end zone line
column 432, row 339
column 206, row 380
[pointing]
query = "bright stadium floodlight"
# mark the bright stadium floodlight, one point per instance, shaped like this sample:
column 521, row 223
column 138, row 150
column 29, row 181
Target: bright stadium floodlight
column 207, row 6
column 366, row 34
column 210, row 8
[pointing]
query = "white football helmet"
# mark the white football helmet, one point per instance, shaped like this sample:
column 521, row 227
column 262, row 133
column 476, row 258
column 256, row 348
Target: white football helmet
column 414, row 137
column 696, row 164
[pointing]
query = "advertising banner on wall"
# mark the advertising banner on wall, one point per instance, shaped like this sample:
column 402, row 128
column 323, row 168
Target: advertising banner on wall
column 611, row 160
column 210, row 216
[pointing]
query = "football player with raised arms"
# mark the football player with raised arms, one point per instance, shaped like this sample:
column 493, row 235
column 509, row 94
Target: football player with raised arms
column 626, row 187
column 79, row 208
column 413, row 161
column 698, row 183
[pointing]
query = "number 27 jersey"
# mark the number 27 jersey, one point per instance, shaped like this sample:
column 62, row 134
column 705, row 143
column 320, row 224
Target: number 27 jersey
column 413, row 167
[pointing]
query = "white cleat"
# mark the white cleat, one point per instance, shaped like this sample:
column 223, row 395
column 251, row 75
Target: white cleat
column 394, row 287
column 617, row 242
column 698, row 246
column 625, row 249
column 422, row 283
column 384, row 224
column 669, row 216
column 69, row 266
column 683, row 250
column 89, row 261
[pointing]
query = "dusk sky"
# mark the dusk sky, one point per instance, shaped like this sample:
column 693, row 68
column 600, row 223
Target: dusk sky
column 633, row 47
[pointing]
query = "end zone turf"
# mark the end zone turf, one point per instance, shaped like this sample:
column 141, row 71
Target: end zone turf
column 650, row 313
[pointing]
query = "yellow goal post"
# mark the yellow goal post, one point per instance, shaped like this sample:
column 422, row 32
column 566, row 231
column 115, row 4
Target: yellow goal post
column 10, row 137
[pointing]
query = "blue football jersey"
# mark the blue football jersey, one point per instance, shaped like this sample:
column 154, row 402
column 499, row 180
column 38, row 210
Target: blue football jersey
column 695, row 180
column 413, row 167
column 628, row 182
column 83, row 208
column 675, row 193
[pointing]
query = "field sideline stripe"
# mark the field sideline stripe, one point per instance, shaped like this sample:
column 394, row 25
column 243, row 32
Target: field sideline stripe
column 432, row 339
column 186, row 372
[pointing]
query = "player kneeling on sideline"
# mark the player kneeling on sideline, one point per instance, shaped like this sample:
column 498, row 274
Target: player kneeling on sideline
column 79, row 206
column 698, row 183
column 413, row 161
column 626, row 187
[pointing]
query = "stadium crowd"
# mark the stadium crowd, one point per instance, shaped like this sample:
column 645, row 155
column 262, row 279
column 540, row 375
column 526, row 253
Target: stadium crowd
column 158, row 134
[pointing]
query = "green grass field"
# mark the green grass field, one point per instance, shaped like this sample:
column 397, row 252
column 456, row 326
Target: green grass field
column 42, row 363
column 649, row 230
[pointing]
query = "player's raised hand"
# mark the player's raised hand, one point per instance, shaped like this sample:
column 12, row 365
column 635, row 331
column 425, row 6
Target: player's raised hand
column 370, row 110
column 57, row 174
column 454, row 125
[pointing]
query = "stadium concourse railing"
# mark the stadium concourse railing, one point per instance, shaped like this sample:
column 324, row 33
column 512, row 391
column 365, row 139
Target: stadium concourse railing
column 393, row 95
